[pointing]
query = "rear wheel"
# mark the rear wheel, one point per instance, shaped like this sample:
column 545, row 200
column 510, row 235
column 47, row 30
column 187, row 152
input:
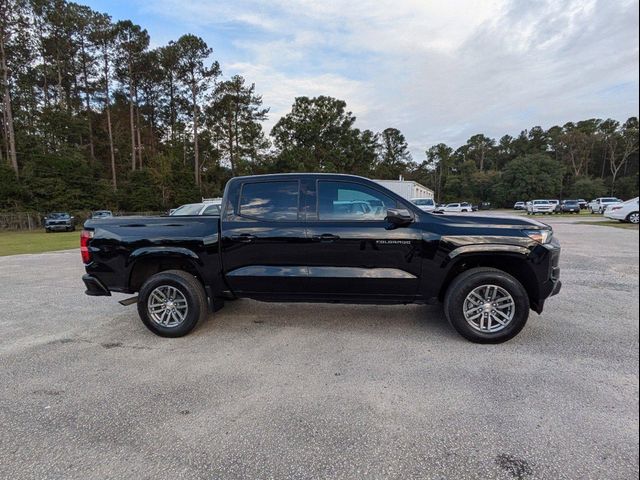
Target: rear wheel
column 633, row 218
column 171, row 303
column 486, row 305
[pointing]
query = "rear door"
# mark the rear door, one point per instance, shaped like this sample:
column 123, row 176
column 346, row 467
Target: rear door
column 263, row 238
column 353, row 251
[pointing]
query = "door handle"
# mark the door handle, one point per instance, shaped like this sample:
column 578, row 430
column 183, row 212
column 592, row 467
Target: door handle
column 244, row 238
column 325, row 237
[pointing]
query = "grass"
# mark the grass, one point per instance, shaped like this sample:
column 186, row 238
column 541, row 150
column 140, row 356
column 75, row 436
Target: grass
column 613, row 223
column 14, row 243
column 567, row 214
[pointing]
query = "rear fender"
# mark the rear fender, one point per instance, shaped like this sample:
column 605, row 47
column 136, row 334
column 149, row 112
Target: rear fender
column 147, row 261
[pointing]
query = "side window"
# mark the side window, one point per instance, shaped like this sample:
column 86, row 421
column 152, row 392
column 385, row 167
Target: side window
column 212, row 210
column 351, row 201
column 276, row 201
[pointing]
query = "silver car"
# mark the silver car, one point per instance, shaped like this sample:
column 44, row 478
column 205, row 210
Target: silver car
column 424, row 204
column 202, row 208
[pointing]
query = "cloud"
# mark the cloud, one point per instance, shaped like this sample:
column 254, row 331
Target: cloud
column 438, row 71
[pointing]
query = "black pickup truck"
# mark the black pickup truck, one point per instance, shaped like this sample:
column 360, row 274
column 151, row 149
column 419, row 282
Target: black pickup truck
column 324, row 238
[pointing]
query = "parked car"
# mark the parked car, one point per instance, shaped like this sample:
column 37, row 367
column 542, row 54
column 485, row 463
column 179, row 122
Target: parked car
column 540, row 206
column 285, row 237
column 424, row 204
column 583, row 203
column 625, row 212
column 484, row 206
column 599, row 205
column 570, row 206
column 102, row 214
column 59, row 222
column 556, row 206
column 454, row 208
column 520, row 206
column 202, row 208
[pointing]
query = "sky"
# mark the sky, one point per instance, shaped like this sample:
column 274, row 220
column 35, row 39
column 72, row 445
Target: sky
column 438, row 71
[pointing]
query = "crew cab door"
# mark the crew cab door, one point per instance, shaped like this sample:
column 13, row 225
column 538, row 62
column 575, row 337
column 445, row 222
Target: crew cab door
column 356, row 254
column 263, row 238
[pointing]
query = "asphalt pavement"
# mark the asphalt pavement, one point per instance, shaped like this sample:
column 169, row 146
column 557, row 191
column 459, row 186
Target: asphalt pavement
column 321, row 391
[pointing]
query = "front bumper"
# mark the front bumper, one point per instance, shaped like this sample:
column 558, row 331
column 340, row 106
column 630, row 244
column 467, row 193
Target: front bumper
column 58, row 227
column 95, row 287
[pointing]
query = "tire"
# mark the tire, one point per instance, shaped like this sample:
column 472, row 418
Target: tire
column 460, row 290
column 47, row 230
column 167, row 283
column 633, row 218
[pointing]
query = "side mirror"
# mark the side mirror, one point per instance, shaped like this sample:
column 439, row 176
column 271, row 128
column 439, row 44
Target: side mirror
column 399, row 217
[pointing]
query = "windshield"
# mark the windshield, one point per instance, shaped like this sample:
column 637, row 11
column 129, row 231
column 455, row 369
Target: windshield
column 610, row 200
column 541, row 202
column 423, row 201
column 571, row 202
column 190, row 209
column 58, row 215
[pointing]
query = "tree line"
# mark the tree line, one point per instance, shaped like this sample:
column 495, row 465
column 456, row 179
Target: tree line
column 92, row 117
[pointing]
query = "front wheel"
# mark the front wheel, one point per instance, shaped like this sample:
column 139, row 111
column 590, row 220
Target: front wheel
column 171, row 303
column 486, row 305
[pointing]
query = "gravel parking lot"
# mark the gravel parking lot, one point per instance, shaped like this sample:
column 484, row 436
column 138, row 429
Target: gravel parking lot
column 321, row 391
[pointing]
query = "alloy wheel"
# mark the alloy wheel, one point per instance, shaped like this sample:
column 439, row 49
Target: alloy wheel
column 167, row 306
column 489, row 308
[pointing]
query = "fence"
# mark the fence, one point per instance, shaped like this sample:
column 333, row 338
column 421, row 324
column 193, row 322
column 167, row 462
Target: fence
column 35, row 220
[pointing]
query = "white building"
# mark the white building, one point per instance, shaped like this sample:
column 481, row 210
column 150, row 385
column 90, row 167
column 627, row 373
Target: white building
column 406, row 188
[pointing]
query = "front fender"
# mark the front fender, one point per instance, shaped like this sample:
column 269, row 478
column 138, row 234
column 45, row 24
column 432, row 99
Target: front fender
column 485, row 249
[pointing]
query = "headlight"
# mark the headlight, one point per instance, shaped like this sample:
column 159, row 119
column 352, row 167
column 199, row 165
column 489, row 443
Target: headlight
column 540, row 236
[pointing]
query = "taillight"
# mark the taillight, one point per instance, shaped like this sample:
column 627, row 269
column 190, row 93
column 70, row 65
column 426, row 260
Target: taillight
column 85, row 236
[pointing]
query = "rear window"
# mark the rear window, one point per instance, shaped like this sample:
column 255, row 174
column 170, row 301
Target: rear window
column 270, row 200
column 424, row 201
column 212, row 210
column 185, row 210
column 609, row 200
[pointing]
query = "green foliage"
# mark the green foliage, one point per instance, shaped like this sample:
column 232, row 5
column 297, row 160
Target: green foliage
column 394, row 154
column 93, row 117
column 62, row 181
column 588, row 188
column 318, row 136
column 140, row 194
column 627, row 187
column 12, row 191
column 529, row 177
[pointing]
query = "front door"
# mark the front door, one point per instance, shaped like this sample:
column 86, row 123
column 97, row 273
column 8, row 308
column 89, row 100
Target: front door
column 354, row 253
column 263, row 239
